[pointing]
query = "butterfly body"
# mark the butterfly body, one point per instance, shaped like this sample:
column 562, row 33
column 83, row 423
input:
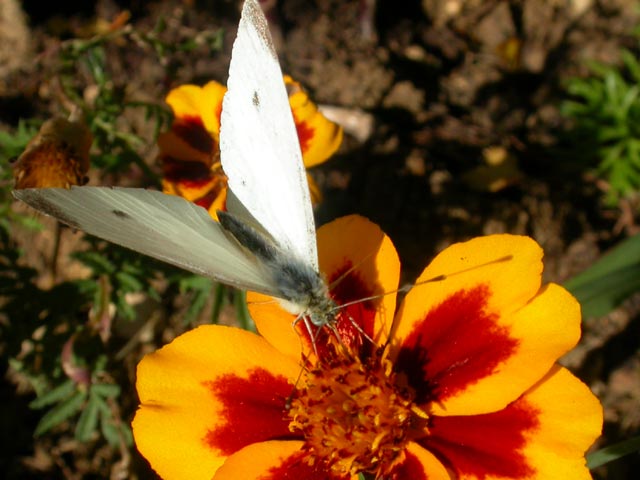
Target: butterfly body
column 301, row 288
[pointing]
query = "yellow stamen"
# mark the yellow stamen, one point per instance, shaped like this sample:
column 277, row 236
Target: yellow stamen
column 354, row 416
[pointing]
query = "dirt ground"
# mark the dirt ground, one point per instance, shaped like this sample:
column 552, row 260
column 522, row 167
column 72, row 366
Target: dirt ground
column 434, row 90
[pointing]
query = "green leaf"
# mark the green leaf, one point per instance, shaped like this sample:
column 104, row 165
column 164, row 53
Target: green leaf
column 127, row 311
column 88, row 421
column 54, row 396
column 13, row 144
column 96, row 261
column 218, row 301
column 609, row 281
column 599, row 69
column 629, row 99
column 110, row 430
column 613, row 452
column 614, row 133
column 631, row 62
column 30, row 223
column 61, row 412
column 107, row 390
column 199, row 288
column 633, row 147
column 198, row 301
column 128, row 282
column 242, row 312
column 113, row 431
column 126, row 433
column 586, row 90
column 194, row 282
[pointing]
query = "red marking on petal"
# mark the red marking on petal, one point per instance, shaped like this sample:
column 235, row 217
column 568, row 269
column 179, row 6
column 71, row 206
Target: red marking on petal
column 218, row 110
column 296, row 467
column 349, row 287
column 189, row 174
column 192, row 131
column 207, row 200
column 480, row 446
column 305, row 134
column 410, row 467
column 454, row 346
column 253, row 410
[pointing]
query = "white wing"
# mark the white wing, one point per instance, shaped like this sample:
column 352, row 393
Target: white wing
column 162, row 226
column 259, row 146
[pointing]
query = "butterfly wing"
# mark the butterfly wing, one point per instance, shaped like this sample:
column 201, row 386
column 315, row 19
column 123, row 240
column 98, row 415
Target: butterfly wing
column 165, row 227
column 259, row 146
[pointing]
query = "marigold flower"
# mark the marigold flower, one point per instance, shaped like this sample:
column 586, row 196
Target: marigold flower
column 460, row 383
column 189, row 151
column 58, row 156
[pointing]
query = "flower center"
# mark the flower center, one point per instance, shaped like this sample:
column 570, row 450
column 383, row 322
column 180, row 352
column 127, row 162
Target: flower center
column 353, row 415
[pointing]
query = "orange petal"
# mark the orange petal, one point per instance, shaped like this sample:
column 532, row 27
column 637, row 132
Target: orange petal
column 474, row 338
column 185, row 101
column 359, row 261
column 274, row 460
column 188, row 141
column 212, row 107
column 195, row 183
column 217, row 203
column 319, row 137
column 206, row 395
column 509, row 265
column 192, row 101
column 190, row 158
column 542, row 435
column 544, row 329
column 418, row 464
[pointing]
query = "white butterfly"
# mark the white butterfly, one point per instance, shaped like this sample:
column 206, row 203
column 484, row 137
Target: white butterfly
column 266, row 240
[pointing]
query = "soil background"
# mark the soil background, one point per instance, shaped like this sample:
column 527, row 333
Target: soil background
column 432, row 90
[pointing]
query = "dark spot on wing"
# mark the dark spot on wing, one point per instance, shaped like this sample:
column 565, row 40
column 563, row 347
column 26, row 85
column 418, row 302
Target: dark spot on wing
column 121, row 214
column 256, row 100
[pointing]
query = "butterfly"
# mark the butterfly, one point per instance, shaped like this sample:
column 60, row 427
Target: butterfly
column 265, row 241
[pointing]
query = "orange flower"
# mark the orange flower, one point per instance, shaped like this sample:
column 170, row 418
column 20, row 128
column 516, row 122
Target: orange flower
column 190, row 154
column 461, row 383
column 58, row 156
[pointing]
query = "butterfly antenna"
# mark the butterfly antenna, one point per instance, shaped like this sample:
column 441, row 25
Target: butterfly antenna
column 372, row 297
column 442, row 277
column 404, row 289
column 437, row 278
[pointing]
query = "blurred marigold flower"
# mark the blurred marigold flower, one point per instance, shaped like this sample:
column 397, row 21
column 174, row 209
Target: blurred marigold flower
column 189, row 151
column 460, row 383
column 58, row 156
